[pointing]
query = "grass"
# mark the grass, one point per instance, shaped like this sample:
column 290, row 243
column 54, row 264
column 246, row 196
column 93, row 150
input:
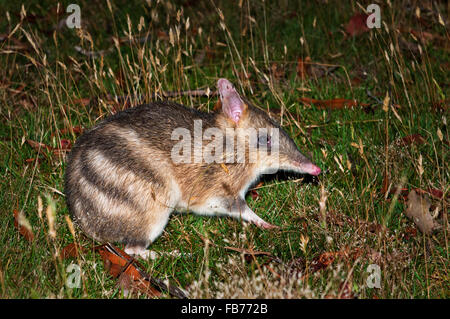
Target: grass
column 343, row 214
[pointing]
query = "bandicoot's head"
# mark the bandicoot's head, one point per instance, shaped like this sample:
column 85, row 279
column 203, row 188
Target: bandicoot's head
column 266, row 144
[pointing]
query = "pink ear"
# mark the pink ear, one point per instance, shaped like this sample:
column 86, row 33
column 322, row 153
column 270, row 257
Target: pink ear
column 232, row 104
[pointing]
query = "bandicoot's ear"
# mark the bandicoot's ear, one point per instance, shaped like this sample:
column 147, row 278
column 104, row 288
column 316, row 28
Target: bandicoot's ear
column 232, row 104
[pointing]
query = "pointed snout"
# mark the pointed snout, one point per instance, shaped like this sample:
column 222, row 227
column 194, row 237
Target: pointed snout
column 310, row 168
column 305, row 166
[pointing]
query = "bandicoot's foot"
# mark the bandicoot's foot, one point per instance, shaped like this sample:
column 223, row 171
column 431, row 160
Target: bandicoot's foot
column 266, row 225
column 138, row 252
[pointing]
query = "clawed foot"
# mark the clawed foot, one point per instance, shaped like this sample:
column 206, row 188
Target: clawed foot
column 258, row 221
column 250, row 216
column 140, row 252
column 265, row 225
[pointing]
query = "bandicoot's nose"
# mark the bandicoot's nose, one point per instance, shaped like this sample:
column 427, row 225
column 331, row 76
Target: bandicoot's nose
column 310, row 168
column 313, row 169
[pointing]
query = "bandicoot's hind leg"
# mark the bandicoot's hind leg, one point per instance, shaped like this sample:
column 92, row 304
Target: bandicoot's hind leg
column 158, row 222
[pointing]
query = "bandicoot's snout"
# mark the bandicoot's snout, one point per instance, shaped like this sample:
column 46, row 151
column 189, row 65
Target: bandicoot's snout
column 309, row 168
column 305, row 165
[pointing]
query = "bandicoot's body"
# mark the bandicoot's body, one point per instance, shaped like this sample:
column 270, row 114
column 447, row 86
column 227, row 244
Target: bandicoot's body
column 123, row 178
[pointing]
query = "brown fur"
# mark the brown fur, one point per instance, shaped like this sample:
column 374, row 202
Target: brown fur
column 121, row 184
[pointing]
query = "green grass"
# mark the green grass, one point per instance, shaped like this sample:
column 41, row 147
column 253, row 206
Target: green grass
column 256, row 36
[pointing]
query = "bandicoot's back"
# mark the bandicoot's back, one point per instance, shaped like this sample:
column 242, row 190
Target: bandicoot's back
column 128, row 173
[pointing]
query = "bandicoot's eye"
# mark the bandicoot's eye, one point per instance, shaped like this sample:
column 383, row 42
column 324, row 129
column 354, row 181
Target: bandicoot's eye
column 264, row 140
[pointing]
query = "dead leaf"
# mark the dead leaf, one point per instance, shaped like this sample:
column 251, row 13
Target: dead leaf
column 356, row 81
column 117, row 262
column 38, row 147
column 254, row 194
column 71, row 251
column 357, row 25
column 322, row 261
column 345, row 291
column 122, row 268
column 162, row 35
column 442, row 105
column 75, row 129
column 23, row 225
column 423, row 36
column 66, row 144
column 334, row 104
column 33, row 159
column 125, row 283
column 436, row 193
column 411, row 139
column 326, row 258
column 82, row 101
column 410, row 232
column 385, row 184
column 301, row 68
column 376, row 228
column 277, row 71
column 418, row 209
column 130, row 285
column 16, row 44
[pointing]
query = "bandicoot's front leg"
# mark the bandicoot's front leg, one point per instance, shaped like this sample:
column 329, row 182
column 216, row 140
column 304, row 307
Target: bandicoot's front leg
column 241, row 210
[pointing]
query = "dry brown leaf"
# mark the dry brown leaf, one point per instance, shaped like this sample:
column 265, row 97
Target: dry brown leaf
column 162, row 35
column 117, row 263
column 334, row 104
column 411, row 139
column 254, row 193
column 23, row 225
column 130, row 285
column 66, row 144
column 434, row 192
column 82, row 101
column 71, row 251
column 32, row 160
column 418, row 209
column 410, row 232
column 346, row 291
column 38, row 147
column 441, row 105
column 385, row 185
column 301, row 68
column 357, row 25
column 75, row 129
column 277, row 71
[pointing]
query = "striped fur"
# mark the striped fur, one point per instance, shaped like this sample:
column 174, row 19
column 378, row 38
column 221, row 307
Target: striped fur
column 121, row 184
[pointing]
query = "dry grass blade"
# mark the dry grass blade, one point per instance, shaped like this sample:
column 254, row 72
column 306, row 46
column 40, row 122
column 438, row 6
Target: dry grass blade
column 23, row 225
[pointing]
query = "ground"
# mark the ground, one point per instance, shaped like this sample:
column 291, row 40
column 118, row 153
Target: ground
column 343, row 234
